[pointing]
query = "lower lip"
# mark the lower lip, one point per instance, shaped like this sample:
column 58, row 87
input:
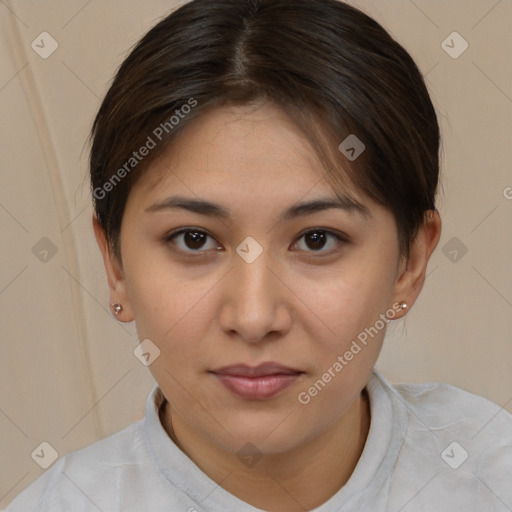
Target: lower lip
column 257, row 388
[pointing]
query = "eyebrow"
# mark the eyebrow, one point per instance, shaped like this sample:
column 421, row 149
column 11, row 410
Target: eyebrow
column 211, row 209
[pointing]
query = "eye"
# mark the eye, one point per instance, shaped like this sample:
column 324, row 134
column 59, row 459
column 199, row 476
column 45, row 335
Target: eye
column 316, row 240
column 191, row 240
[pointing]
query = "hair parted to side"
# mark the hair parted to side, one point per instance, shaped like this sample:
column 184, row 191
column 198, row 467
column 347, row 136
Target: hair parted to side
column 331, row 68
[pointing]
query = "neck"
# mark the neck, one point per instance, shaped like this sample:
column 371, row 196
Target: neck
column 301, row 479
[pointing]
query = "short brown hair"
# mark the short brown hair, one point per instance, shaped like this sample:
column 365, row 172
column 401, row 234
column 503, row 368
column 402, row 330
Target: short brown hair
column 334, row 70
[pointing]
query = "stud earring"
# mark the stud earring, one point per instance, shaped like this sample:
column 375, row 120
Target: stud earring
column 402, row 304
column 117, row 308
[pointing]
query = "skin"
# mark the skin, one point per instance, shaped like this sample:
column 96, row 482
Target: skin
column 291, row 305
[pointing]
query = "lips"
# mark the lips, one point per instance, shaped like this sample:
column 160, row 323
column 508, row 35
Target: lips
column 257, row 382
column 242, row 370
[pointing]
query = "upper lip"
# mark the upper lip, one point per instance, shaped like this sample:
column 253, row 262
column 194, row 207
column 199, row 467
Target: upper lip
column 243, row 370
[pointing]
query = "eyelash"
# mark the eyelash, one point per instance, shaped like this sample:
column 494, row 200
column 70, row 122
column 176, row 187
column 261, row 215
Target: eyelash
column 341, row 239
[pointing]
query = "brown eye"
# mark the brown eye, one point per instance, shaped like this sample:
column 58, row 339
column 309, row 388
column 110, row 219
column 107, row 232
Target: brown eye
column 192, row 240
column 316, row 240
column 319, row 240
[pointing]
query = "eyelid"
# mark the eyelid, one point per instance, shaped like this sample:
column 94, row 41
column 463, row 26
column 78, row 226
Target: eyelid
column 342, row 238
column 180, row 231
column 330, row 231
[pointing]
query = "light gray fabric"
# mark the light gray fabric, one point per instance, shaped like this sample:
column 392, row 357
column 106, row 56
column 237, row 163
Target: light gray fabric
column 408, row 463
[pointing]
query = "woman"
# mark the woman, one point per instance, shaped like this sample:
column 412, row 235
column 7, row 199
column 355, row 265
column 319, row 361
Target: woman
column 264, row 175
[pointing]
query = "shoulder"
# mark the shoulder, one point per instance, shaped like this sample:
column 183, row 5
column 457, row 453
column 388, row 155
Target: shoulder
column 87, row 476
column 456, row 443
column 442, row 406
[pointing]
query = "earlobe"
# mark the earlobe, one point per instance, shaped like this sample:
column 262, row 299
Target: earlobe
column 413, row 270
column 119, row 301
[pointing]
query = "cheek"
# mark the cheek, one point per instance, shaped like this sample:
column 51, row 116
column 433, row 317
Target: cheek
column 350, row 305
column 164, row 305
column 351, row 297
column 173, row 309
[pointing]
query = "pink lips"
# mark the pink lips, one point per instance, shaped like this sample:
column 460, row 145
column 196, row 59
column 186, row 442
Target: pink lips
column 259, row 382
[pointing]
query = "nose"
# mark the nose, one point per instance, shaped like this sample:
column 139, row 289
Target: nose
column 256, row 305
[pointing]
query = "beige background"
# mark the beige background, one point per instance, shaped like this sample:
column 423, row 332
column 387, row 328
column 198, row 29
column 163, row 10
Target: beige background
column 67, row 372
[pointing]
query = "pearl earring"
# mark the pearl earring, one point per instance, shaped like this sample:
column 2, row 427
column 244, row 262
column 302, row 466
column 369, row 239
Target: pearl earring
column 117, row 308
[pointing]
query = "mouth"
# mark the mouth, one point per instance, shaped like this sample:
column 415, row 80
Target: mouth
column 257, row 382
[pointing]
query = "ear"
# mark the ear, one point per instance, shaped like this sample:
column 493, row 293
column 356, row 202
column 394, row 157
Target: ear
column 412, row 270
column 115, row 275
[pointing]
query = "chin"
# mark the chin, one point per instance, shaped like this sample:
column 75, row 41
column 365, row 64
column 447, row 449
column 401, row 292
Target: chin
column 272, row 436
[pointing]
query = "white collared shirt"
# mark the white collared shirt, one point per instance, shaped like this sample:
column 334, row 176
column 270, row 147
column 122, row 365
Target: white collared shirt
column 430, row 447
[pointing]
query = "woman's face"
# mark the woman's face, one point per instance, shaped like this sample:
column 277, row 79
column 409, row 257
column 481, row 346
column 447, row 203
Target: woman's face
column 256, row 279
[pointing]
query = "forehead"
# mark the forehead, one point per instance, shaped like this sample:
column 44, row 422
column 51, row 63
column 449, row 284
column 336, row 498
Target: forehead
column 246, row 165
column 250, row 147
